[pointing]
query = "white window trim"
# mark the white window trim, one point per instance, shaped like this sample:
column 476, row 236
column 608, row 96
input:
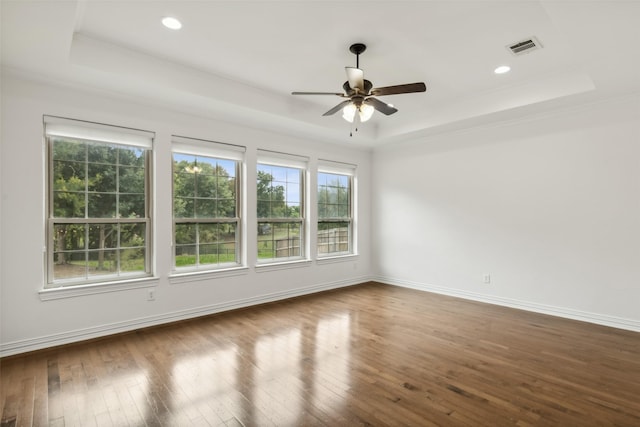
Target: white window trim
column 72, row 291
column 179, row 277
column 337, row 258
column 283, row 265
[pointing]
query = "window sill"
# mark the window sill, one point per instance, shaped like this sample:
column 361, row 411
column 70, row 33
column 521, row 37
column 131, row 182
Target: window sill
column 330, row 259
column 282, row 265
column 179, row 277
column 73, row 291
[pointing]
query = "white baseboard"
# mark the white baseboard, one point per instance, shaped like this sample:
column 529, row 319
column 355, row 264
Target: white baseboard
column 596, row 318
column 23, row 346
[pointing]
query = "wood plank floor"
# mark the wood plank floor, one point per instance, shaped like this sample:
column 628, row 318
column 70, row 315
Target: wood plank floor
column 371, row 354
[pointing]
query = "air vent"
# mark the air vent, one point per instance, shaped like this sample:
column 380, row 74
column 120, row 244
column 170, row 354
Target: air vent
column 525, row 46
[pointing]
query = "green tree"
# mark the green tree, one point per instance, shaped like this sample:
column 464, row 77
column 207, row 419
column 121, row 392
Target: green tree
column 203, row 187
column 271, row 200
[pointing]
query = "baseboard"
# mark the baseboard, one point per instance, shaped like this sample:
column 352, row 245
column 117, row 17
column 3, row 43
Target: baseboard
column 596, row 318
column 23, row 346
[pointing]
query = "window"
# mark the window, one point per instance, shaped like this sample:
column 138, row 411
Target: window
column 335, row 209
column 99, row 223
column 280, row 200
column 206, row 210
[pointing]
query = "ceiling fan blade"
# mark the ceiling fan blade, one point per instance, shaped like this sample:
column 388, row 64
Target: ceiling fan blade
column 399, row 89
column 337, row 107
column 317, row 93
column 355, row 76
column 383, row 107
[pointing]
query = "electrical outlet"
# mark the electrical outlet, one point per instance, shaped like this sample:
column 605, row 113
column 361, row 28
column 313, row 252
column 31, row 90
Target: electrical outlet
column 486, row 278
column 151, row 295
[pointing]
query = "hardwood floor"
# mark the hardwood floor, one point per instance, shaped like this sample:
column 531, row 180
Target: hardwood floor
column 366, row 355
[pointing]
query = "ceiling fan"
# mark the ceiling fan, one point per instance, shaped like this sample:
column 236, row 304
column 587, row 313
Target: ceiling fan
column 360, row 93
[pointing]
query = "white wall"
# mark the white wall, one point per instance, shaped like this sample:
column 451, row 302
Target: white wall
column 29, row 323
column 548, row 206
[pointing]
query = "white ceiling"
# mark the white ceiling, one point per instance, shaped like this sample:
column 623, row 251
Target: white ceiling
column 239, row 60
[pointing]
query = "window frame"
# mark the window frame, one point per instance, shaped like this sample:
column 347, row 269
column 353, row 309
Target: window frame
column 217, row 151
column 349, row 171
column 98, row 134
column 291, row 161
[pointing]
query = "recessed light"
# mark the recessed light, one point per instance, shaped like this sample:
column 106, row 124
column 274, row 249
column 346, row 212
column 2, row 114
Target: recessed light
column 502, row 69
column 171, row 23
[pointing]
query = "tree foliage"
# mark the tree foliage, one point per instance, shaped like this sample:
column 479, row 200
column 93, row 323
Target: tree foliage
column 333, row 196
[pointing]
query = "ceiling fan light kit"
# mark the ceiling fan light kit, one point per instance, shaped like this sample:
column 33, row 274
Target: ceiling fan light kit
column 360, row 93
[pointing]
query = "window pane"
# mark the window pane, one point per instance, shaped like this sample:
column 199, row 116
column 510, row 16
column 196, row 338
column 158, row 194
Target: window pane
column 333, row 196
column 73, row 267
column 333, row 237
column 206, row 185
column 207, row 233
column 68, row 149
column 265, row 241
column 103, row 236
column 98, row 152
column 101, row 205
column 184, row 207
column 131, row 156
column 206, row 165
column 132, row 206
column 217, row 243
column 279, row 192
column 101, row 178
column 184, row 184
column 226, row 190
column 68, row 237
column 293, row 175
column 292, row 210
column 279, row 240
column 185, row 255
column 208, row 254
column 226, row 208
column 205, row 208
column 185, row 234
column 102, row 262
column 226, row 168
column 132, row 259
column 132, row 235
column 68, row 176
column 131, row 180
column 227, row 253
column 68, row 204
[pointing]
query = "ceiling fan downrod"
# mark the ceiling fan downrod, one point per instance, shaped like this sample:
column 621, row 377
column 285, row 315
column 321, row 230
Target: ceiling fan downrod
column 357, row 49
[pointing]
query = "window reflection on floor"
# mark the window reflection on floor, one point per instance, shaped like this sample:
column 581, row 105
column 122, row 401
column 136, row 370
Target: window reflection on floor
column 332, row 352
column 204, row 386
column 278, row 391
